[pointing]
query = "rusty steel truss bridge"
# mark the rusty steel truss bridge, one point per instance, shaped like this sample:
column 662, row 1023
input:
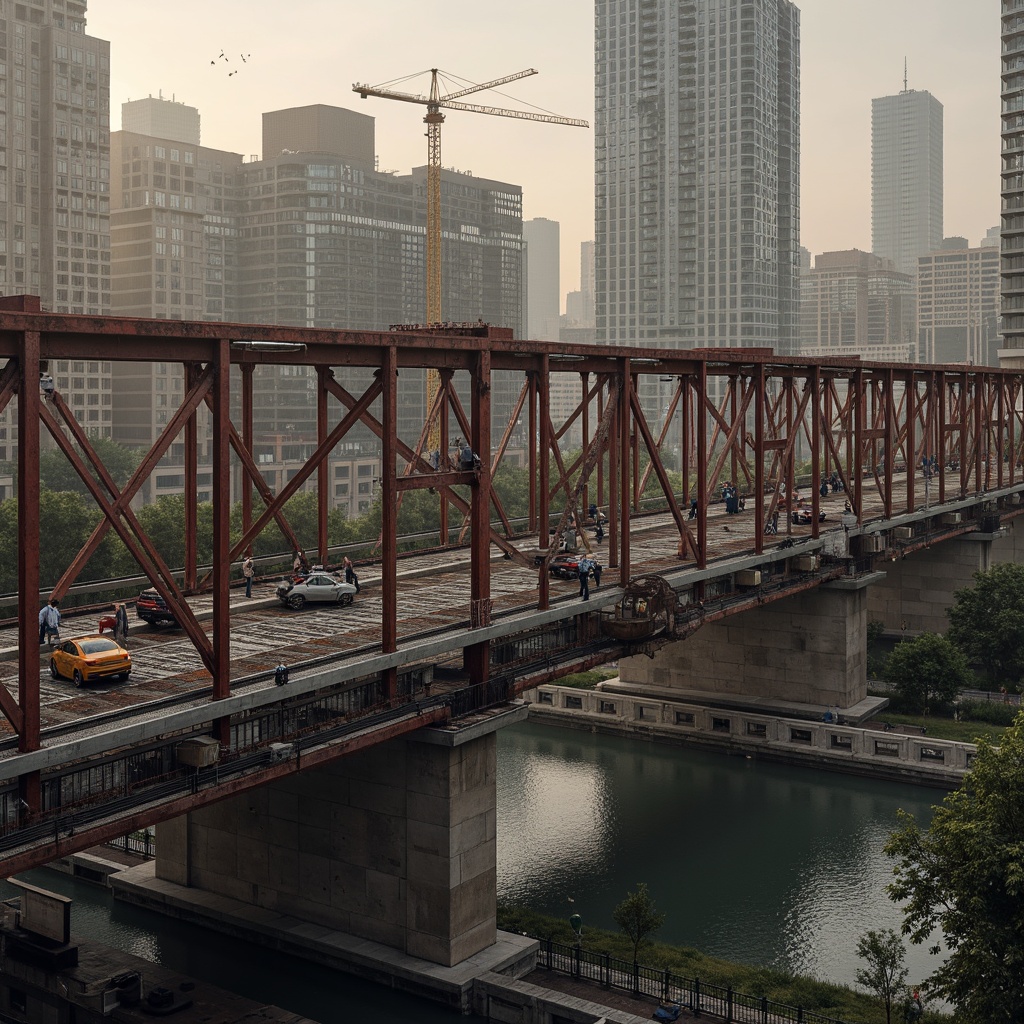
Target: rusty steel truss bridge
column 933, row 450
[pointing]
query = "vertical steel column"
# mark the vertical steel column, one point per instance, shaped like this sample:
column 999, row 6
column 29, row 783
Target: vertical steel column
column 634, row 444
column 1001, row 436
column 221, row 395
column 543, row 441
column 625, row 443
column 759, row 403
column 939, row 394
column 322, row 469
column 191, row 485
column 702, row 465
column 889, row 411
column 614, row 498
column 443, row 450
column 247, row 432
column 965, row 411
column 913, row 463
column 685, row 440
column 585, row 388
column 602, row 496
column 389, row 514
column 532, row 450
column 734, row 408
column 790, row 467
column 477, row 656
column 28, row 562
column 816, row 441
column 857, row 469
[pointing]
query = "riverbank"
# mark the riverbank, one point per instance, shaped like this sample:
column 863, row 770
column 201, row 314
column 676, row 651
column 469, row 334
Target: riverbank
column 664, row 716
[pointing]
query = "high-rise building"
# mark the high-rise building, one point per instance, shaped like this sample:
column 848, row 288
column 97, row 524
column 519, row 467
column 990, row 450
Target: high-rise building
column 906, row 177
column 958, row 304
column 55, row 181
column 162, row 119
column 697, row 172
column 854, row 303
column 543, row 295
column 1012, row 218
column 305, row 237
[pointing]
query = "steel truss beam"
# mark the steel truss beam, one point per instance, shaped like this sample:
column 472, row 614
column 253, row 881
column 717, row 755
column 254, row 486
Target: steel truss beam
column 740, row 416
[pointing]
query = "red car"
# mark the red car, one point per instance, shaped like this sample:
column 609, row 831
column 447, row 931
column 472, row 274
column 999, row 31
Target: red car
column 151, row 608
column 566, row 567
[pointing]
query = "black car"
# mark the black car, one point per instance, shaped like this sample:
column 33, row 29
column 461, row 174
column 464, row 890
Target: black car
column 152, row 608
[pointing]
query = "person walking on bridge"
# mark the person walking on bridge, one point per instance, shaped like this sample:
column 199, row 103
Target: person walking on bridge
column 49, row 621
column 583, row 567
column 248, row 571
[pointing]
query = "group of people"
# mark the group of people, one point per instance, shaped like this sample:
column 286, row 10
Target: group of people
column 300, row 566
column 50, row 619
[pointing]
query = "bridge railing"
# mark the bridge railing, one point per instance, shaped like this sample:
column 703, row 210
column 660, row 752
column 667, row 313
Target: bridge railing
column 670, row 988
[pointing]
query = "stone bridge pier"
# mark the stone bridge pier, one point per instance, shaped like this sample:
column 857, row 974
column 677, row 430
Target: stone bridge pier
column 396, row 844
column 918, row 588
column 808, row 649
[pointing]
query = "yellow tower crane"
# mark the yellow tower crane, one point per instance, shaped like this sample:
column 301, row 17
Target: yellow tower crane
column 433, row 119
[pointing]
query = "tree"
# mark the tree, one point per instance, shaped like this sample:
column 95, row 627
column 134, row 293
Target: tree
column 636, row 916
column 927, row 672
column 57, row 474
column 987, row 621
column 884, row 972
column 963, row 876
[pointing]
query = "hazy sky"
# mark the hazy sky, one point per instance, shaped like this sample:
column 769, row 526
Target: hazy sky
column 311, row 51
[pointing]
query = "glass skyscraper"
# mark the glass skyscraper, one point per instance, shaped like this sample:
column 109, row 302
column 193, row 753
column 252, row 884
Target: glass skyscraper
column 697, row 173
column 1012, row 223
column 906, row 177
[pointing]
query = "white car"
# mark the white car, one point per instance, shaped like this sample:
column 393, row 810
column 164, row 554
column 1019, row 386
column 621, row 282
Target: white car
column 317, row 588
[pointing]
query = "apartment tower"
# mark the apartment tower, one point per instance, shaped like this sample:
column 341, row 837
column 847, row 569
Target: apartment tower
column 906, row 177
column 697, row 173
column 55, row 185
column 1012, row 218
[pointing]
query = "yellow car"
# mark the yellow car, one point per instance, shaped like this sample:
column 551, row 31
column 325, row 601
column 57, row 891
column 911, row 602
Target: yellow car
column 88, row 658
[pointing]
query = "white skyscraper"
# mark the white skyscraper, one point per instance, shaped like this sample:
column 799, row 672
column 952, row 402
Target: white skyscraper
column 543, row 293
column 697, row 162
column 906, row 177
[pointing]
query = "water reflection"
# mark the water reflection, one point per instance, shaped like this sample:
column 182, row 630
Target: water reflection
column 759, row 863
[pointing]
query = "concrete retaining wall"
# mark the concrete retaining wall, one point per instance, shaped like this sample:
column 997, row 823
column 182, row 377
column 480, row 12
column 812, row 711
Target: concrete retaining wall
column 836, row 747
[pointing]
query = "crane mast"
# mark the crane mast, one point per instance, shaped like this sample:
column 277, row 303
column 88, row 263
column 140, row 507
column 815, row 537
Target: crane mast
column 433, row 119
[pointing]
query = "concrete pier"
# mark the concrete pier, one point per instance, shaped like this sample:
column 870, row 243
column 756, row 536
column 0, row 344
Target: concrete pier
column 810, row 648
column 396, row 844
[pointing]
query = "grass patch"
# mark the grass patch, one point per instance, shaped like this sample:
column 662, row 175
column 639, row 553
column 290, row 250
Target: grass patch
column 586, row 680
column 944, row 728
column 824, row 997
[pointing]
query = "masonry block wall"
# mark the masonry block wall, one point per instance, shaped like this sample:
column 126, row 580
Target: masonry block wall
column 810, row 648
column 396, row 844
column 918, row 589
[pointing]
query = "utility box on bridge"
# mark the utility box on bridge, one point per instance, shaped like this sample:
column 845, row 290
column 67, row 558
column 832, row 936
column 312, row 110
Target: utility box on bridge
column 198, row 751
column 748, row 578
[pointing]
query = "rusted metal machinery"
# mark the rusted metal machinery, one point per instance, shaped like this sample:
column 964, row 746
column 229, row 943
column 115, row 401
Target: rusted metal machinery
column 742, row 417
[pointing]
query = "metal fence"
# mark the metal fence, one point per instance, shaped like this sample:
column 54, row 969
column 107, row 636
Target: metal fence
column 141, row 843
column 691, row 993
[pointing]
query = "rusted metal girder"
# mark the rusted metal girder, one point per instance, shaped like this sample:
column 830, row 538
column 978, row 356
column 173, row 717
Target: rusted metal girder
column 744, row 413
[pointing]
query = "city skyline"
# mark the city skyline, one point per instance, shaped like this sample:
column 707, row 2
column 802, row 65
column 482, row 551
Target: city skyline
column 850, row 55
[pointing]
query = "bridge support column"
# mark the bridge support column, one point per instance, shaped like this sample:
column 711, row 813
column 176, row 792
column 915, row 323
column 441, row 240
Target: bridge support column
column 807, row 649
column 918, row 588
column 395, row 844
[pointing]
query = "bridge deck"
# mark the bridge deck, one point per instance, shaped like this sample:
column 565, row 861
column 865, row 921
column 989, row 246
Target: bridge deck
column 432, row 590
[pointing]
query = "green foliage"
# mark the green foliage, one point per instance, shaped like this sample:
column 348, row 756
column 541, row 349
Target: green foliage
column 875, row 649
column 636, row 916
column 884, row 971
column 927, row 672
column 941, row 727
column 987, row 621
column 994, row 712
column 825, row 997
column 963, row 877
column 586, row 680
column 57, row 474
